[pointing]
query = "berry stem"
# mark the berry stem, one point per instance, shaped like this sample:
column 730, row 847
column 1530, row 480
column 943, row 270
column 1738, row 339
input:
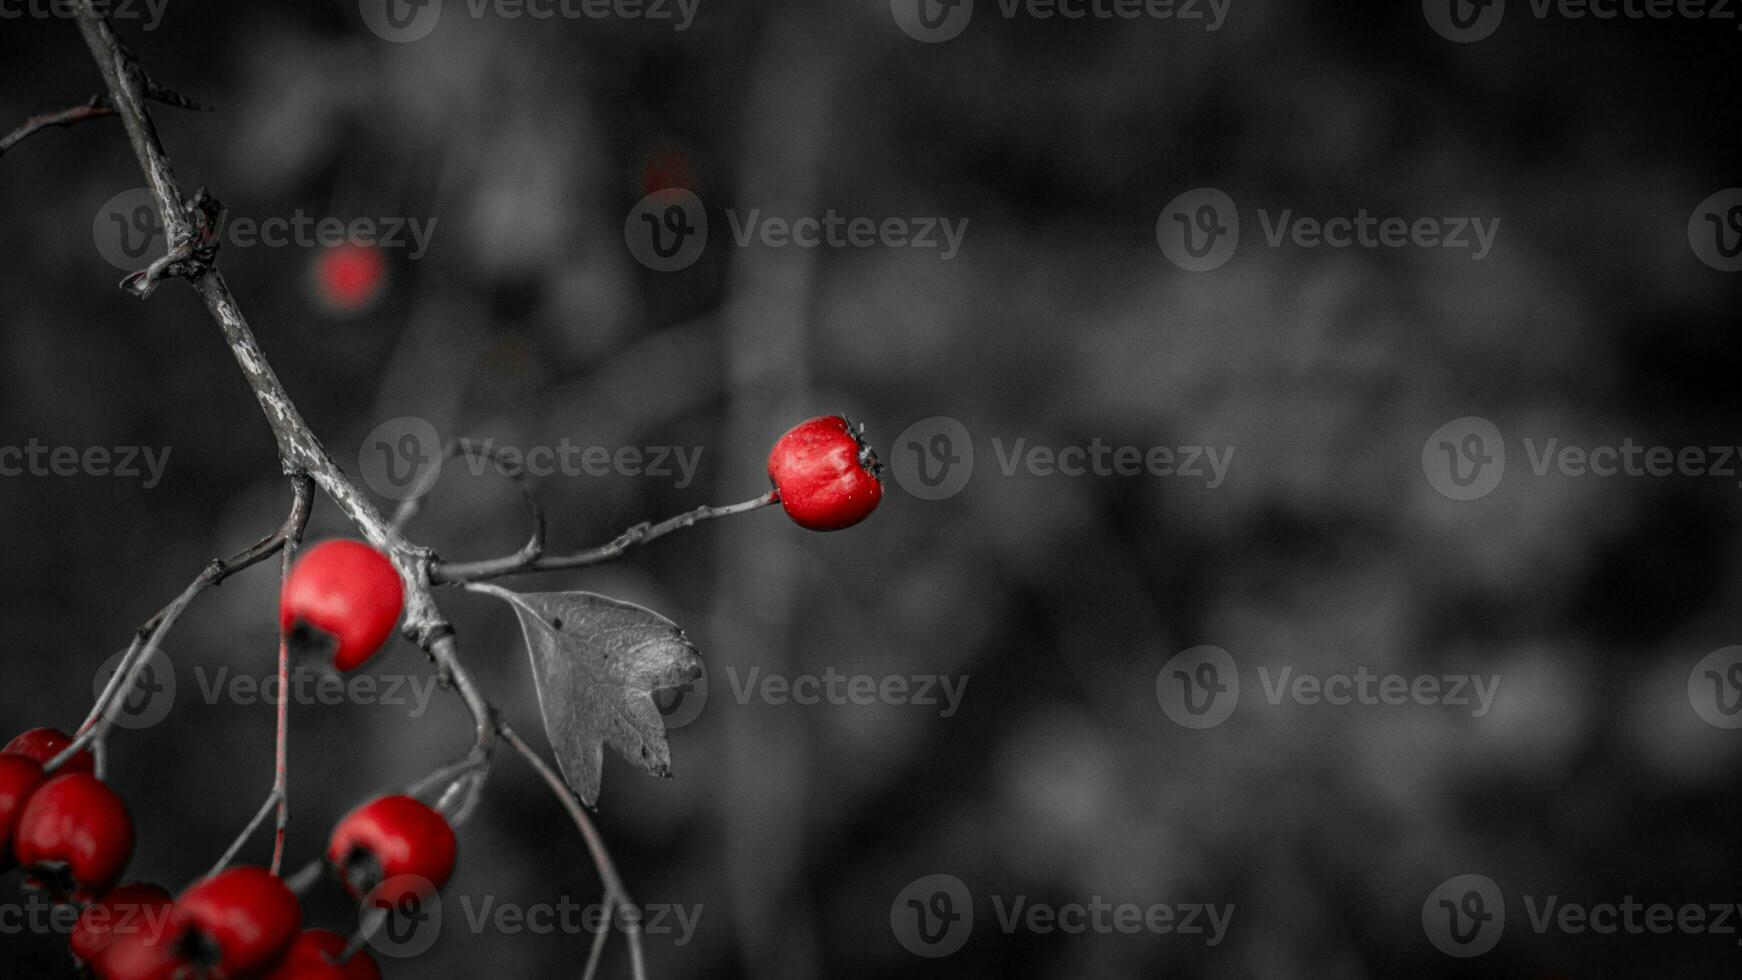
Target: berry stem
column 272, row 800
column 453, row 573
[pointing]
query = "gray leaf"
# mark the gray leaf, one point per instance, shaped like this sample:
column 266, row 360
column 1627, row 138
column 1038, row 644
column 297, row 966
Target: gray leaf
column 598, row 661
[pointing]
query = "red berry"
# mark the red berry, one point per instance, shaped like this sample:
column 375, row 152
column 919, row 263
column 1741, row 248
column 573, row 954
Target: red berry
column 127, row 910
column 43, row 744
column 143, row 955
column 390, row 837
column 74, row 837
column 19, row 777
column 347, row 590
column 826, row 475
column 314, row 955
column 349, row 277
column 236, row 923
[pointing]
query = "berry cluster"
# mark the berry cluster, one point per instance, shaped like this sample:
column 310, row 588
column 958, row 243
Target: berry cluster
column 72, row 836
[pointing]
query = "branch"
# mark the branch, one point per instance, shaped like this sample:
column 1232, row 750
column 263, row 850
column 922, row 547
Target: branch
column 299, row 450
column 454, row 573
column 97, row 108
column 615, row 894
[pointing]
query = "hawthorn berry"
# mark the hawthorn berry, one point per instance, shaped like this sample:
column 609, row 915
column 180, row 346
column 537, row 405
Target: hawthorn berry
column 235, row 923
column 349, row 277
column 826, row 475
column 390, row 837
column 43, row 744
column 133, row 908
column 346, row 590
column 74, row 837
column 141, row 955
column 314, row 955
column 19, row 777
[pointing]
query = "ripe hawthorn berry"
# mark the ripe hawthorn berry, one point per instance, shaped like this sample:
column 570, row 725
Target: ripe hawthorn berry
column 74, row 837
column 826, row 475
column 349, row 277
column 234, row 924
column 346, row 590
column 390, row 837
column 314, row 955
column 43, row 744
column 19, row 777
column 133, row 908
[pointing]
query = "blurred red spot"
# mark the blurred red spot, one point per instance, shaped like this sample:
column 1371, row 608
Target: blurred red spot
column 349, row 277
column 667, row 168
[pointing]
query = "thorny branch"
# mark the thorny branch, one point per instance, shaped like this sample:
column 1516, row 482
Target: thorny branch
column 190, row 225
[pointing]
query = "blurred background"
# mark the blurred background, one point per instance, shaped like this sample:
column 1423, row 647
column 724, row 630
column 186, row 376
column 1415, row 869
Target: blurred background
column 796, row 834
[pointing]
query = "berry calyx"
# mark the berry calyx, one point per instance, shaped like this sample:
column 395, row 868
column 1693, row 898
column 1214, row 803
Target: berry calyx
column 43, row 744
column 133, row 908
column 347, row 591
column 826, row 475
column 74, row 837
column 19, row 777
column 236, row 923
column 314, row 955
column 388, row 838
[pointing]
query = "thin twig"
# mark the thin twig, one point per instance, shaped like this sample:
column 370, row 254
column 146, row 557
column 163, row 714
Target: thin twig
column 615, row 893
column 452, row 573
column 97, row 108
column 247, row 832
column 534, row 546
